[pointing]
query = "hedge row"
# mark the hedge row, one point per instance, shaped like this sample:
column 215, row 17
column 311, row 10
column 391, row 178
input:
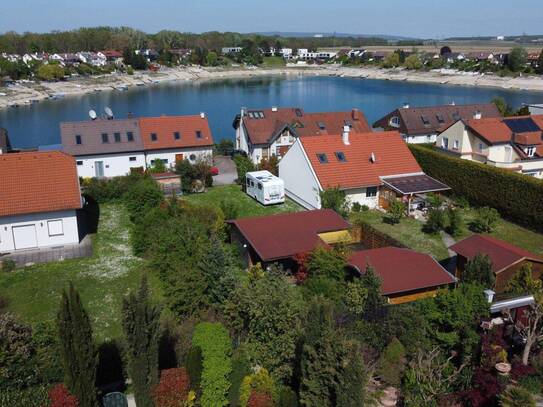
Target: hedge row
column 517, row 197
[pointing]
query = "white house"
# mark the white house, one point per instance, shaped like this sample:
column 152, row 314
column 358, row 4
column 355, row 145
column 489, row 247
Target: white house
column 230, row 50
column 92, row 58
column 40, row 197
column 107, row 147
column 373, row 169
column 514, row 143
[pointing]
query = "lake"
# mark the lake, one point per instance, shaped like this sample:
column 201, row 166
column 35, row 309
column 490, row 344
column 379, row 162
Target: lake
column 38, row 124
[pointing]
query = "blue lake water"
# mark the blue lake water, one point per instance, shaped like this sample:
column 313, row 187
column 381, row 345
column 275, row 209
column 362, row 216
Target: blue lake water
column 38, row 124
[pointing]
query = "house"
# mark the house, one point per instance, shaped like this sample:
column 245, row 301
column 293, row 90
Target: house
column 111, row 55
column 451, row 57
column 115, row 147
column 230, row 50
column 56, row 58
column 149, row 54
column 5, row 145
column 70, row 59
column 535, row 109
column 513, row 143
column 92, row 58
column 533, row 59
column 422, row 124
column 40, row 197
column 405, row 275
column 263, row 133
column 373, row 169
column 481, row 56
column 506, row 258
column 279, row 238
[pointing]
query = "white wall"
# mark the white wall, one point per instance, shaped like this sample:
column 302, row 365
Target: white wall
column 191, row 154
column 114, row 164
column 39, row 220
column 301, row 185
column 359, row 195
column 421, row 138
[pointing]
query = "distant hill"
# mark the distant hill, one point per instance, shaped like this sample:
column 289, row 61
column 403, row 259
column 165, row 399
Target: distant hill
column 515, row 38
column 339, row 35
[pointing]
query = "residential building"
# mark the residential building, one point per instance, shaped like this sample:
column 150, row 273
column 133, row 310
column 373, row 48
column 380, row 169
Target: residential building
column 92, row 58
column 405, row 275
column 451, row 57
column 422, row 124
column 111, row 55
column 279, row 238
column 40, row 197
column 506, row 258
column 150, row 54
column 373, row 169
column 513, row 143
column 263, row 133
column 231, row 50
column 5, row 145
column 535, row 109
column 481, row 56
column 115, row 147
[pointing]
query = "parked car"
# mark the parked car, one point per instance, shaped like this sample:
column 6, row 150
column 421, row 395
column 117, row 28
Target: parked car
column 238, row 152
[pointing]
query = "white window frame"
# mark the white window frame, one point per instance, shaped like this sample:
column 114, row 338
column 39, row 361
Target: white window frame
column 445, row 142
column 455, row 144
column 368, row 195
column 51, row 224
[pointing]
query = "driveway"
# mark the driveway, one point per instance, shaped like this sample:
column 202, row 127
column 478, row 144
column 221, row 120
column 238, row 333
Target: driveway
column 227, row 170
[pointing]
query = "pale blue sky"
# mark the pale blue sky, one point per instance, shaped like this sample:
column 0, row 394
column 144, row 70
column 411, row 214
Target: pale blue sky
column 417, row 18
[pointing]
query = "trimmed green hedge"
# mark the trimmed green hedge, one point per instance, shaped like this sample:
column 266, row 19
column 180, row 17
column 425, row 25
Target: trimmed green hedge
column 517, row 197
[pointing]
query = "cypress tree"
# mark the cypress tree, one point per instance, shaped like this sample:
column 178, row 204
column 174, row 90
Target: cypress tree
column 351, row 389
column 478, row 270
column 141, row 326
column 78, row 352
column 374, row 301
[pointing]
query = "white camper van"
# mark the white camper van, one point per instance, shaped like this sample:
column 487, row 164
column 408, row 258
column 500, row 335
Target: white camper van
column 265, row 187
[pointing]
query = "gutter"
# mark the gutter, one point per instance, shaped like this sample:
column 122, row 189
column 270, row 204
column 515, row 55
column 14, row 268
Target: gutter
column 512, row 303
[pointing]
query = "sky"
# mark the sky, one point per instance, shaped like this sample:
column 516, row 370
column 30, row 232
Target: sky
column 411, row 18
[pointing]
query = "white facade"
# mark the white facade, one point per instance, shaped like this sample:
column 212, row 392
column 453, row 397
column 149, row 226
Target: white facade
column 420, row 138
column 38, row 230
column 169, row 157
column 364, row 196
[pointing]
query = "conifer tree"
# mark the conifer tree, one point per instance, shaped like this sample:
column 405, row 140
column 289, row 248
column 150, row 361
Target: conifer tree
column 78, row 352
column 351, row 389
column 374, row 301
column 141, row 326
column 478, row 270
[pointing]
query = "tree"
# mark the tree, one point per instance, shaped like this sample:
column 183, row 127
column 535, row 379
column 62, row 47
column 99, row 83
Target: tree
column 50, row 72
column 334, row 198
column 530, row 327
column 78, row 352
column 141, row 326
column 517, row 59
column 539, row 68
column 435, row 221
column 523, row 282
column 327, row 262
column 212, row 58
column 479, row 270
column 395, row 212
column 455, row 221
column 503, row 107
column 374, row 300
column 392, row 363
column 143, row 196
column 391, row 60
column 243, row 166
column 270, row 164
column 413, row 62
column 485, row 220
column 351, row 389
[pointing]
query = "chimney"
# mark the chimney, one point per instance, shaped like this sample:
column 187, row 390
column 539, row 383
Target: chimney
column 406, row 105
column 202, row 115
column 345, row 135
column 355, row 114
column 243, row 111
column 130, row 115
column 274, row 108
column 452, row 103
column 489, row 294
column 372, row 157
column 477, row 115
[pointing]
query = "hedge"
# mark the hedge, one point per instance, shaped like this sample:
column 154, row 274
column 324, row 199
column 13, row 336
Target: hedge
column 517, row 197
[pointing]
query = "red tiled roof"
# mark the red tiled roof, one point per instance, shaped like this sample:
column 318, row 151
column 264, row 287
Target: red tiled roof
column 529, row 138
column 402, row 270
column 38, row 182
column 112, row 54
column 392, row 157
column 285, row 235
column 502, row 254
column 492, row 130
column 263, row 130
column 165, row 126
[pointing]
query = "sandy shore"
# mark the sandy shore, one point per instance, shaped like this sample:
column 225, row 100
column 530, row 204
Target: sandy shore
column 24, row 93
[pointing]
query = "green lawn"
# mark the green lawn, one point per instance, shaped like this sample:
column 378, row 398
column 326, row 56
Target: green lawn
column 273, row 62
column 247, row 206
column 102, row 280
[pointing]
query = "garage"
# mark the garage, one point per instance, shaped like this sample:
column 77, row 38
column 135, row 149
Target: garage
column 24, row 237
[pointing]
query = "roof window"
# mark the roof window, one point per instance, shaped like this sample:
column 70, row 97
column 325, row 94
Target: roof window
column 117, row 137
column 340, row 156
column 298, row 112
column 154, row 137
column 129, row 136
column 323, row 159
column 198, row 134
column 321, row 125
column 440, row 118
column 425, row 120
column 176, row 135
column 77, row 139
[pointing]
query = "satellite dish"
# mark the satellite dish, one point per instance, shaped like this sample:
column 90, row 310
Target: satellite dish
column 108, row 112
column 92, row 114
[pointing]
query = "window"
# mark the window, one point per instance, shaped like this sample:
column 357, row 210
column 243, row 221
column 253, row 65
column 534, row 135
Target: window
column 530, row 151
column 192, row 157
column 105, row 138
column 79, row 162
column 153, row 137
column 371, row 192
column 321, row 125
column 129, row 136
column 55, row 227
column 323, row 159
column 77, row 139
column 198, row 134
column 117, row 137
column 455, row 144
column 348, row 123
column 425, row 120
column 340, row 156
column 445, row 142
column 176, row 135
column 480, row 147
column 440, row 118
column 131, row 158
column 395, row 121
column 260, row 186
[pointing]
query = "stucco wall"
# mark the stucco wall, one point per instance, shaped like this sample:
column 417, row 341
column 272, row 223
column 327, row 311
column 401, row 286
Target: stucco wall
column 191, row 154
column 114, row 164
column 360, row 195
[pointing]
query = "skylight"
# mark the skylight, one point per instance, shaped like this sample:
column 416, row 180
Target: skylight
column 340, row 156
column 298, row 112
column 440, row 118
column 321, row 125
column 425, row 119
column 323, row 159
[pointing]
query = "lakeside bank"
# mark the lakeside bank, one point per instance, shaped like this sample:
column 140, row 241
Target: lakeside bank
column 27, row 92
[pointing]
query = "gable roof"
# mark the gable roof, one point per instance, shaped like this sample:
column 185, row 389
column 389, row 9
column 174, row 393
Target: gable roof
column 392, row 157
column 502, row 254
column 263, row 125
column 165, row 126
column 285, row 235
column 436, row 117
column 401, row 270
column 38, row 182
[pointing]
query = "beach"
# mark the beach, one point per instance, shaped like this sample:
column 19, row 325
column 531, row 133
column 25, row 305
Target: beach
column 28, row 92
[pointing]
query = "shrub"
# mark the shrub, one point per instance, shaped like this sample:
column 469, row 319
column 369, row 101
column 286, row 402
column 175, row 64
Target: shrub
column 35, row 396
column 193, row 364
column 243, row 166
column 173, row 388
column 392, row 363
column 59, row 396
column 395, row 212
column 515, row 196
column 365, row 208
column 334, row 198
column 532, row 383
column 241, row 367
column 143, row 196
column 258, row 399
column 270, row 164
column 229, row 208
column 260, row 382
column 485, row 220
column 516, row 397
column 435, row 221
column 7, row 265
column 356, row 207
column 455, row 221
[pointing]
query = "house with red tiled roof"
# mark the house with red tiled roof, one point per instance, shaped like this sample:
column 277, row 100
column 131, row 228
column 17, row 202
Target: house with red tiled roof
column 507, row 259
column 405, row 275
column 373, row 169
column 109, row 147
column 513, row 143
column 263, row 133
column 39, row 197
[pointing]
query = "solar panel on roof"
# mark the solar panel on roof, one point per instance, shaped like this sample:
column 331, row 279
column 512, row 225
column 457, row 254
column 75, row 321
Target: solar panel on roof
column 523, row 125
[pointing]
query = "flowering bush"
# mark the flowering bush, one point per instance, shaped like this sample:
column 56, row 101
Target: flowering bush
column 61, row 397
column 302, row 273
column 173, row 388
column 259, row 400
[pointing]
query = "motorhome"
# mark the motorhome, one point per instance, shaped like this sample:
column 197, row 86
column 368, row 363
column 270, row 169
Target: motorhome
column 265, row 187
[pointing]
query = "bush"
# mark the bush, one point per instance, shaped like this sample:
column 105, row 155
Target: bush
column 229, row 208
column 392, row 363
column 435, row 221
column 270, row 164
column 35, row 396
column 173, row 388
column 334, row 198
column 108, row 189
column 485, row 220
column 455, row 222
column 241, row 367
column 356, row 207
column 143, row 196
column 243, row 166
column 59, row 396
column 193, row 364
column 261, row 383
column 395, row 212
column 516, row 397
column 515, row 196
column 7, row 265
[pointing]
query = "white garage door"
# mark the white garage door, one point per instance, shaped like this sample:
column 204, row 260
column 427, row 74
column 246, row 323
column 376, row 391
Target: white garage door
column 25, row 236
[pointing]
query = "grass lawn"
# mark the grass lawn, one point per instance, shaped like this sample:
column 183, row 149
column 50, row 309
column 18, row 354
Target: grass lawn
column 247, row 205
column 103, row 279
column 273, row 62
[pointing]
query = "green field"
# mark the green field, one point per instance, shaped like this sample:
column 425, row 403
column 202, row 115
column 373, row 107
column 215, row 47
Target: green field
column 273, row 62
column 247, row 206
column 103, row 279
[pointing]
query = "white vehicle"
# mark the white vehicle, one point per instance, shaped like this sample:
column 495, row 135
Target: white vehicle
column 265, row 187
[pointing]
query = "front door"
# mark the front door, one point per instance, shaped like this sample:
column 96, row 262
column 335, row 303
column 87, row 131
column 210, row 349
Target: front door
column 99, row 169
column 24, row 237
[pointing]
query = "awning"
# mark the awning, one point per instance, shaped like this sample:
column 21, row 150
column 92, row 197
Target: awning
column 415, row 184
